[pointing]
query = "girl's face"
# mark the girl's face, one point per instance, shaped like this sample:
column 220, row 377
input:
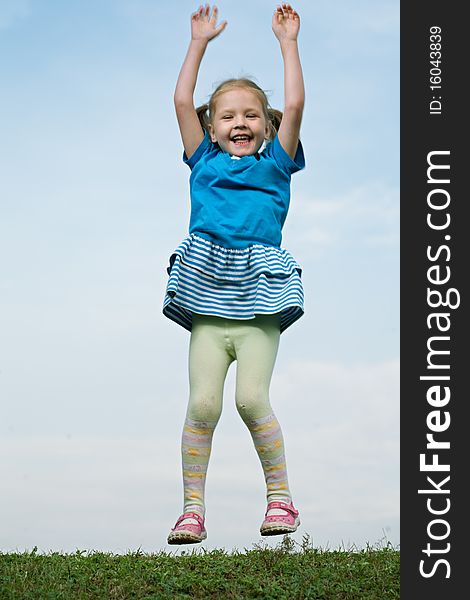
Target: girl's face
column 238, row 124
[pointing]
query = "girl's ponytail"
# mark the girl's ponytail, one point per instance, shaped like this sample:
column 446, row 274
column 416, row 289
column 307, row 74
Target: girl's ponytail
column 203, row 116
column 275, row 118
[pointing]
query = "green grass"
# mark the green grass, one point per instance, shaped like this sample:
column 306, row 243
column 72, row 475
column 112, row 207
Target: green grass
column 290, row 571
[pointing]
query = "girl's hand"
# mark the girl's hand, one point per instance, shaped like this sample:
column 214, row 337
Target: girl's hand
column 203, row 24
column 286, row 23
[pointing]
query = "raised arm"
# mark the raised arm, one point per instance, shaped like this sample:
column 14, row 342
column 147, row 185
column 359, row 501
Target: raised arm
column 203, row 29
column 286, row 25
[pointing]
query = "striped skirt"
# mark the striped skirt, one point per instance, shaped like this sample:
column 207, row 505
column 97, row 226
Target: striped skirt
column 235, row 284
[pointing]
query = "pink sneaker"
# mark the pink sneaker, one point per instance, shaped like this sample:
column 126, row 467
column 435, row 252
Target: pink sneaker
column 280, row 524
column 190, row 533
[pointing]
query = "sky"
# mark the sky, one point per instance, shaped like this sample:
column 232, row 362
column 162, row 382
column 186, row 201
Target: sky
column 94, row 197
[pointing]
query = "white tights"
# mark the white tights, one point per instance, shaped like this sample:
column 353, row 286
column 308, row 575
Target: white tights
column 215, row 344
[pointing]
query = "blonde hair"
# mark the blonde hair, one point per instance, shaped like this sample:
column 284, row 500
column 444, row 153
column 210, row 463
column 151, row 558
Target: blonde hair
column 273, row 117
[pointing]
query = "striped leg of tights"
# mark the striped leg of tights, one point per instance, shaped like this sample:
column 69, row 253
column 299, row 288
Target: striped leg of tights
column 195, row 453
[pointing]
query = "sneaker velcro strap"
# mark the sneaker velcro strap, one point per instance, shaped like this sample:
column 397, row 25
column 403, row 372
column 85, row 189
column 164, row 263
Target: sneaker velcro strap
column 282, row 505
column 191, row 515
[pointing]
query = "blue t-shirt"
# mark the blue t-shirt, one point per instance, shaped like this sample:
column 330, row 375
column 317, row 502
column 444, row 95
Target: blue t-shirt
column 239, row 202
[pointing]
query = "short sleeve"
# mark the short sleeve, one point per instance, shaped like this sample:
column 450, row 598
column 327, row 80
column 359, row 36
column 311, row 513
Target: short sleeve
column 204, row 146
column 283, row 160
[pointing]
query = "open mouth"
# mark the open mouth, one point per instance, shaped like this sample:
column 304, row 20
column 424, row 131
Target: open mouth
column 241, row 139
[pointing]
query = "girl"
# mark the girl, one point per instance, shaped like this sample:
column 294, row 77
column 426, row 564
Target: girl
column 230, row 283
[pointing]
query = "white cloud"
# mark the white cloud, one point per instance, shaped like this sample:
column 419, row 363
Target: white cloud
column 362, row 399
column 366, row 215
column 112, row 493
